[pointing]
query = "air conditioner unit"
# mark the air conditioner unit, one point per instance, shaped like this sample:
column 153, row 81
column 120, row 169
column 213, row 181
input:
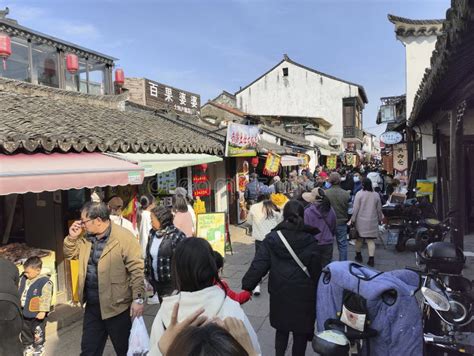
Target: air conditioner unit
column 335, row 141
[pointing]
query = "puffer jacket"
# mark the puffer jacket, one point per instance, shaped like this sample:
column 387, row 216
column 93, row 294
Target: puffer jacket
column 171, row 237
column 91, row 288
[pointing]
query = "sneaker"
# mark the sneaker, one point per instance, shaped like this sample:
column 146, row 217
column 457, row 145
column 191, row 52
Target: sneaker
column 352, row 242
column 39, row 350
column 256, row 291
column 153, row 300
column 29, row 351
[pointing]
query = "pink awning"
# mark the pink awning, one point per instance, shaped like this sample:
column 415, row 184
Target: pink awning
column 22, row 173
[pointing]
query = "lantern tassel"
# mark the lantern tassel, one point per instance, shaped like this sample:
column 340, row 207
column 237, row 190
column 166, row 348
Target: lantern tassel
column 4, row 64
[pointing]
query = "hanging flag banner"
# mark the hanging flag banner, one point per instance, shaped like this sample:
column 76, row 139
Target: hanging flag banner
column 272, row 164
column 241, row 140
column 400, row 158
column 211, row 226
column 306, row 159
column 331, row 162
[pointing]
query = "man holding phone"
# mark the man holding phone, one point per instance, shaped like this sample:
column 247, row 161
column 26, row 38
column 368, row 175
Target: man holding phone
column 111, row 278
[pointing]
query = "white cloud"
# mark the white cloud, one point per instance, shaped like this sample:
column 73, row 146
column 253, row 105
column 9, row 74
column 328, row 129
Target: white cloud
column 77, row 29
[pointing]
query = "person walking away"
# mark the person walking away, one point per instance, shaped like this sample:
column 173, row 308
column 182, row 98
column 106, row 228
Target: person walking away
column 36, row 294
column 10, row 315
column 194, row 274
column 111, row 278
column 366, row 216
column 339, row 199
column 147, row 202
column 375, row 178
column 183, row 219
column 240, row 297
column 252, row 190
column 189, row 201
column 347, row 180
column 319, row 214
column 164, row 237
column 292, row 290
column 263, row 217
column 115, row 205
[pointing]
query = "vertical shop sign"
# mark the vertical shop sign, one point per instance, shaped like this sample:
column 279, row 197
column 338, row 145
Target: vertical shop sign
column 272, row 164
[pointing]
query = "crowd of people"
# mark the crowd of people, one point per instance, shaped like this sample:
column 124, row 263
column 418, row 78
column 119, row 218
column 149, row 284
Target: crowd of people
column 295, row 223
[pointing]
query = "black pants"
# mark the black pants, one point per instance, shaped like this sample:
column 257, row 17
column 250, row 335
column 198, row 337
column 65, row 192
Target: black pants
column 326, row 254
column 95, row 332
column 10, row 329
column 33, row 332
column 162, row 289
column 299, row 343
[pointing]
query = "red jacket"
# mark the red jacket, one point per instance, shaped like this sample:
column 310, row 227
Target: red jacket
column 241, row 298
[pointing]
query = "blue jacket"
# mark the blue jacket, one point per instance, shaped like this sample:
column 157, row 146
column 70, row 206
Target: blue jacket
column 253, row 190
column 398, row 323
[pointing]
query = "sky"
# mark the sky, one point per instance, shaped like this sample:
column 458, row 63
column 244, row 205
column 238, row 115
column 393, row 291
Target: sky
column 206, row 46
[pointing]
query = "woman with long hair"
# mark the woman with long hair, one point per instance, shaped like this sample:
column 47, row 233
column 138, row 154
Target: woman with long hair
column 366, row 216
column 291, row 288
column 147, row 202
column 194, row 275
column 164, row 237
column 183, row 219
column 263, row 217
column 322, row 216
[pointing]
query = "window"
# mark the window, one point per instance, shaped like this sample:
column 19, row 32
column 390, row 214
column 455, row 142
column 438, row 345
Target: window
column 17, row 65
column 285, row 72
column 96, row 78
column 352, row 113
column 45, row 65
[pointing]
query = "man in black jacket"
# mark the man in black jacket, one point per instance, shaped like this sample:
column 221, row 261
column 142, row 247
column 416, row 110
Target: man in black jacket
column 10, row 316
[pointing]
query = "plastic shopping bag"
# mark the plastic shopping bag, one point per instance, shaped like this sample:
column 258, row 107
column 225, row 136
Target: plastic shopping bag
column 139, row 340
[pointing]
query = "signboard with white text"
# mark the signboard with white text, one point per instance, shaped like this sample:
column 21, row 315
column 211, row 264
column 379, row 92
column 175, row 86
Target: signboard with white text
column 391, row 137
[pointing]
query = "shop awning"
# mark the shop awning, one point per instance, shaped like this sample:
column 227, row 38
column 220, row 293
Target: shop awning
column 39, row 172
column 155, row 163
column 292, row 161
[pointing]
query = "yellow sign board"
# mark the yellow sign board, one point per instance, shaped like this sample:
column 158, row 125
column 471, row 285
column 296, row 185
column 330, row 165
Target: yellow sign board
column 211, row 227
column 331, row 162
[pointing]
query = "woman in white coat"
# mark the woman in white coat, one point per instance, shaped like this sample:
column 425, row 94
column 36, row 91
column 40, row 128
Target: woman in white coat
column 195, row 274
column 366, row 216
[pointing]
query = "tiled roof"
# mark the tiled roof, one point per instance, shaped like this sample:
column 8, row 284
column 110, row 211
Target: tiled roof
column 287, row 59
column 234, row 111
column 41, row 119
column 289, row 137
column 451, row 63
column 408, row 27
column 265, row 147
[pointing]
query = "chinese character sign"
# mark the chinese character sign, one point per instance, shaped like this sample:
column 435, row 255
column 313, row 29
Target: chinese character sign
column 241, row 140
column 400, row 158
column 272, row 164
column 161, row 96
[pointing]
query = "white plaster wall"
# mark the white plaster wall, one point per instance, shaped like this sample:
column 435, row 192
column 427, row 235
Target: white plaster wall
column 313, row 160
column 269, row 138
column 429, row 148
column 417, row 55
column 218, row 179
column 302, row 93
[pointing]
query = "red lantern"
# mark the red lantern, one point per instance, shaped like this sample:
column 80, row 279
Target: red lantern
column 254, row 162
column 72, row 63
column 203, row 167
column 5, row 48
column 119, row 77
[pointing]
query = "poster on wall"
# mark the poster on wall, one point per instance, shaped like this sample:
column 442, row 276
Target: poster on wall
column 242, row 179
column 211, row 227
column 331, row 162
column 241, row 140
column 272, row 164
column 400, row 158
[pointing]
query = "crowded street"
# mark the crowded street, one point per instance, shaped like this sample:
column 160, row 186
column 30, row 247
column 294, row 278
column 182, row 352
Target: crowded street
column 240, row 178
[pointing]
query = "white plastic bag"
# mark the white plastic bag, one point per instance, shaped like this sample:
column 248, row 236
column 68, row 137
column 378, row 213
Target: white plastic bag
column 139, row 341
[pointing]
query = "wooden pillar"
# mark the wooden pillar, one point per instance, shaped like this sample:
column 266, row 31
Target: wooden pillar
column 439, row 176
column 456, row 199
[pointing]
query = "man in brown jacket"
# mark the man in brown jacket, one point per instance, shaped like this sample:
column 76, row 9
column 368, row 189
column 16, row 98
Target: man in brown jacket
column 111, row 278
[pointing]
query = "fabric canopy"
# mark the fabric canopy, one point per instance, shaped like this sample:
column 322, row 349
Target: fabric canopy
column 39, row 172
column 292, row 161
column 155, row 163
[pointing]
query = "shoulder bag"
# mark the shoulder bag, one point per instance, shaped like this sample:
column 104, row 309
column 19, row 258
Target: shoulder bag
column 293, row 254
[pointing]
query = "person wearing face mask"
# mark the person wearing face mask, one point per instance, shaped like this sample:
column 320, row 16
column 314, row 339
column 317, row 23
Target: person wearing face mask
column 357, row 184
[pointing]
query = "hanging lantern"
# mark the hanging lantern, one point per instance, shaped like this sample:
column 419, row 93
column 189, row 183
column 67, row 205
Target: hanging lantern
column 119, row 77
column 254, row 162
column 5, row 48
column 72, row 63
column 203, row 167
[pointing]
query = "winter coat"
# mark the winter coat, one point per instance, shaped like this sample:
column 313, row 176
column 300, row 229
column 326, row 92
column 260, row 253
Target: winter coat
column 347, row 182
column 326, row 224
column 91, row 286
column 171, row 237
column 215, row 304
column 145, row 227
column 184, row 222
column 120, row 270
column 397, row 320
column 9, row 278
column 367, row 213
column 253, row 190
column 36, row 295
column 292, row 292
column 339, row 199
column 261, row 225
column 240, row 297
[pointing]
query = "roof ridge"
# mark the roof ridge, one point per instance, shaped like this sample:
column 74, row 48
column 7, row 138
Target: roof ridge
column 394, row 18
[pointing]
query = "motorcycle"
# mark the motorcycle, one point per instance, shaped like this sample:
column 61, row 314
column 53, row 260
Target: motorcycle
column 447, row 300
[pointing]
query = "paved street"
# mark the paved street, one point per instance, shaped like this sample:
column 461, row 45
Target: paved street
column 68, row 339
